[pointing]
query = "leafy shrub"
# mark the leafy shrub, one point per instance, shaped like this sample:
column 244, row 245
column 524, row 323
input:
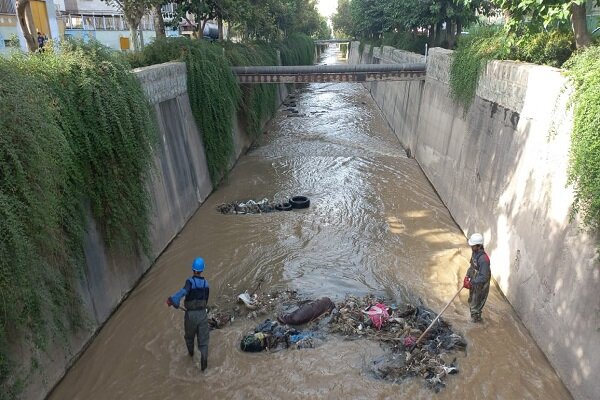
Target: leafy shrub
column 546, row 48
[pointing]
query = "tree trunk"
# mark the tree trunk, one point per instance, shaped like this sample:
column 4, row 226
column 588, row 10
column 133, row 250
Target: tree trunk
column 220, row 22
column 202, row 26
column 438, row 34
column 159, row 22
column 579, row 25
column 450, row 33
column 26, row 23
column 133, row 33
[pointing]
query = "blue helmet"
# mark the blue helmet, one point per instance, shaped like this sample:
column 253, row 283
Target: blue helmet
column 198, row 265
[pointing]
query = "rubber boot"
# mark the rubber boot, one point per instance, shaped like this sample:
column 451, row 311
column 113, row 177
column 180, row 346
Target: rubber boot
column 203, row 363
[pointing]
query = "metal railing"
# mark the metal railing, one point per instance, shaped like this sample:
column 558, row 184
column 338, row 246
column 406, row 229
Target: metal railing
column 95, row 22
column 330, row 73
column 7, row 7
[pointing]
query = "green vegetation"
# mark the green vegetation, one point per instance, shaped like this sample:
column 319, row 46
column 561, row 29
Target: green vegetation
column 270, row 20
column 442, row 21
column 77, row 137
column 584, row 167
column 297, row 49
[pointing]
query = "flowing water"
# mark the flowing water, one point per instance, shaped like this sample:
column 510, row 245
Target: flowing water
column 375, row 225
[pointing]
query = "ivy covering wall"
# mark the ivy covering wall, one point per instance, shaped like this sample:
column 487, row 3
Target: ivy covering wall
column 76, row 136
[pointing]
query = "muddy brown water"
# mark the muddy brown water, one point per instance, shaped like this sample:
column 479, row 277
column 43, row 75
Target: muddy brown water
column 375, row 225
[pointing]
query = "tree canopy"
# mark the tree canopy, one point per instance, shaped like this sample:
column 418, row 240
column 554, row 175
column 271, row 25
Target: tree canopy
column 442, row 20
column 257, row 19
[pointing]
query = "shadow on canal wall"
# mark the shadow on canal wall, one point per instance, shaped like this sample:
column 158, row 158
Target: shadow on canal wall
column 179, row 184
column 500, row 168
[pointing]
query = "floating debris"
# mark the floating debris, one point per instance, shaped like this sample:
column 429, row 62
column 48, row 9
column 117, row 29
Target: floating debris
column 247, row 207
column 263, row 206
column 368, row 317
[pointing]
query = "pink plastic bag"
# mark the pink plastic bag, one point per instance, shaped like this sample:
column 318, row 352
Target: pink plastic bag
column 378, row 314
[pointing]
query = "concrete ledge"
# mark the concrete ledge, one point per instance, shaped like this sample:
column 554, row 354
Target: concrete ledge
column 163, row 81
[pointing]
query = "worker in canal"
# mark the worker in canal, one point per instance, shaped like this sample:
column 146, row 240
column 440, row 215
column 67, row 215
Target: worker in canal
column 195, row 291
column 478, row 277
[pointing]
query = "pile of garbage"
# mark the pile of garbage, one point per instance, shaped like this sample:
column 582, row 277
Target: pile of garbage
column 248, row 207
column 398, row 328
column 263, row 206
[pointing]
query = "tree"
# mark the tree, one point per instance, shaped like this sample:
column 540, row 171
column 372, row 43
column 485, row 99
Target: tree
column 274, row 19
column 373, row 18
column 324, row 31
column 342, row 20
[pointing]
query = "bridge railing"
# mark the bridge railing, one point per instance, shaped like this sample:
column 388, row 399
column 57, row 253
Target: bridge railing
column 330, row 73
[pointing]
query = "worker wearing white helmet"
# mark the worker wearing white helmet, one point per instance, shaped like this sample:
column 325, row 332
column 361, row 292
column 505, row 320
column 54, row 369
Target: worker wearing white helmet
column 478, row 277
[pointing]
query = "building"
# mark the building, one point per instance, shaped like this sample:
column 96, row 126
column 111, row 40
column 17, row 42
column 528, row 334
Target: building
column 89, row 19
column 73, row 18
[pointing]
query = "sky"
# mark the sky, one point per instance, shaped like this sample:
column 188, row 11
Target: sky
column 327, row 7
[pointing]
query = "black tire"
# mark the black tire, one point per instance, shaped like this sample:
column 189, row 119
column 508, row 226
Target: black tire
column 300, row 202
column 284, row 207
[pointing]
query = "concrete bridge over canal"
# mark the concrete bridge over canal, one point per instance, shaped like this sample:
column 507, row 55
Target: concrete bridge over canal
column 331, row 73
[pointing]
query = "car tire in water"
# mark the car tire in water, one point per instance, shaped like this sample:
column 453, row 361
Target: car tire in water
column 284, row 207
column 300, row 202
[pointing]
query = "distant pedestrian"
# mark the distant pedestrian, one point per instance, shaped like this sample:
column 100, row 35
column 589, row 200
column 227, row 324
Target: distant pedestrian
column 478, row 277
column 195, row 291
column 40, row 41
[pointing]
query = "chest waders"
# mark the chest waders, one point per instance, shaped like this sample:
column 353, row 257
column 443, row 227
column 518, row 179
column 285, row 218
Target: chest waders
column 196, row 319
column 479, row 292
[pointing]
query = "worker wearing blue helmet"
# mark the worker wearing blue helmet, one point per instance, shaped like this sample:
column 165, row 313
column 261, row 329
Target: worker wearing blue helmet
column 196, row 291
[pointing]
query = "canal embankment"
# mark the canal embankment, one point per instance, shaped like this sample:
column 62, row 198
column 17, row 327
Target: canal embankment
column 500, row 168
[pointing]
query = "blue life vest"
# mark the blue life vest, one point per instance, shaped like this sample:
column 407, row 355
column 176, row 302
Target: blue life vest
column 197, row 293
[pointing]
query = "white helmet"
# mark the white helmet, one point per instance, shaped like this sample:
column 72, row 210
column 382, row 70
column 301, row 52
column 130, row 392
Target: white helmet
column 476, row 238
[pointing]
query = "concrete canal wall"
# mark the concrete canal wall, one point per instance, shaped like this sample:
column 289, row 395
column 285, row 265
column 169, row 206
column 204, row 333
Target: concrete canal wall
column 500, row 168
column 179, row 185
